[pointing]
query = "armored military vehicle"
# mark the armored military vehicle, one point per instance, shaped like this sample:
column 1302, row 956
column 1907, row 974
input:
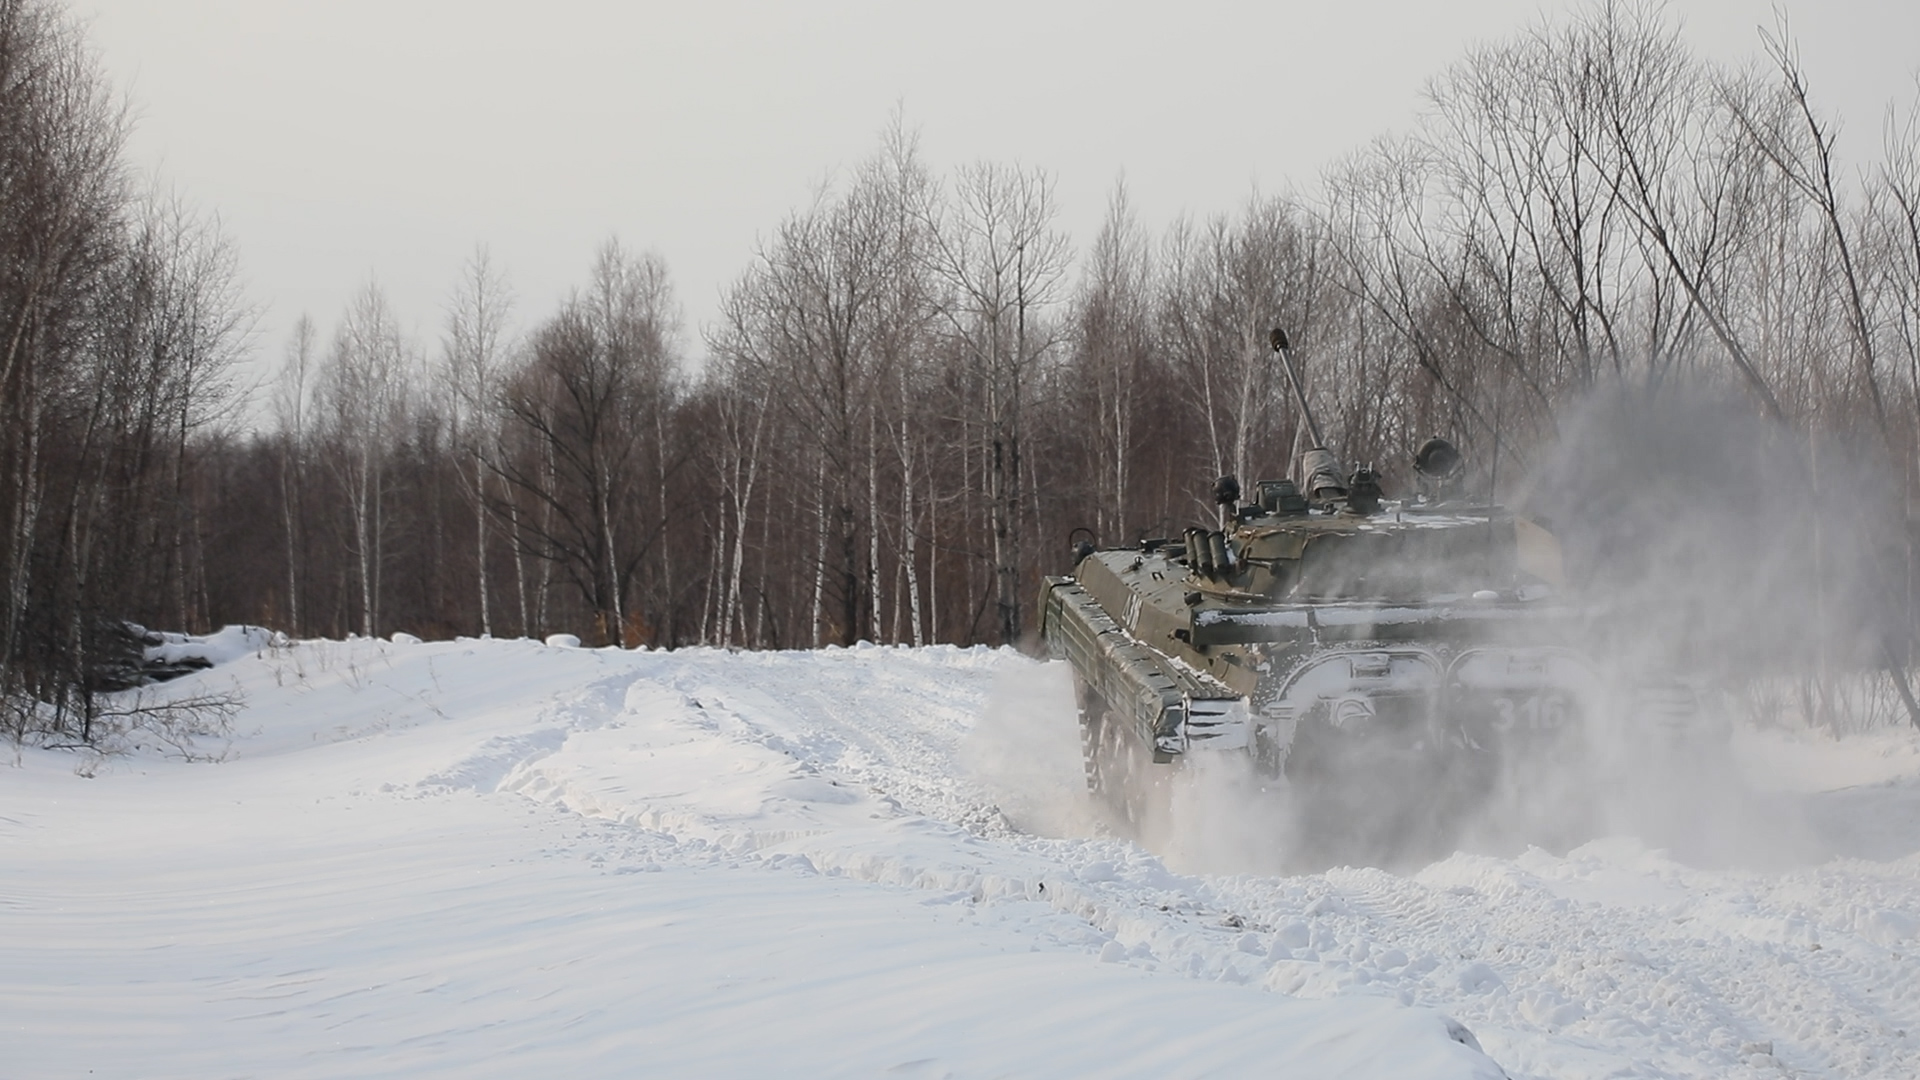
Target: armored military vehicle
column 1383, row 653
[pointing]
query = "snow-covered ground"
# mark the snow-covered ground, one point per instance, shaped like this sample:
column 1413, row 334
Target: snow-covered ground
column 485, row 858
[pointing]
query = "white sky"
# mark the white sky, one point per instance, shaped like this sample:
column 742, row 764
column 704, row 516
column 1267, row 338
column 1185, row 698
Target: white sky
column 352, row 139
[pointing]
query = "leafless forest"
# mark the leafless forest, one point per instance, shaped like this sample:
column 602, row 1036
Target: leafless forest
column 917, row 388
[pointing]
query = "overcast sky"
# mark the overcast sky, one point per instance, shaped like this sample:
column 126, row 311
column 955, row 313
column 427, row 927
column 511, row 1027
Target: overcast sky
column 348, row 140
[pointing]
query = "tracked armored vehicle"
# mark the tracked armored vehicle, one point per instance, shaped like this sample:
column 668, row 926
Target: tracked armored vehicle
column 1363, row 648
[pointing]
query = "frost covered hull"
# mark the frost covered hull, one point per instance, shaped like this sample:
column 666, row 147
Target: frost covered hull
column 1165, row 702
column 1369, row 621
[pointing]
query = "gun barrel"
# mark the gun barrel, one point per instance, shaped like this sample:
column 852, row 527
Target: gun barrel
column 1280, row 346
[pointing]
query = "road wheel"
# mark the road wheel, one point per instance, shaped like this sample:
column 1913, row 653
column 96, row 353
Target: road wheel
column 1139, row 792
column 1093, row 712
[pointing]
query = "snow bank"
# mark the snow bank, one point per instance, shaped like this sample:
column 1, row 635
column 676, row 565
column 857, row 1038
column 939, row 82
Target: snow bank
column 227, row 644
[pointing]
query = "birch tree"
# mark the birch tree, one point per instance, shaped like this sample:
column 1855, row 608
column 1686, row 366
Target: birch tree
column 293, row 406
column 473, row 355
column 364, row 396
column 1003, row 262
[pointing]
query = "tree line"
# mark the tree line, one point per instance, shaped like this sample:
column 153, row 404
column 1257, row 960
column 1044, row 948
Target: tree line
column 121, row 316
column 916, row 389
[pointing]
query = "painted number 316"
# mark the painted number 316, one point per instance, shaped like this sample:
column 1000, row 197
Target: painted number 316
column 1538, row 712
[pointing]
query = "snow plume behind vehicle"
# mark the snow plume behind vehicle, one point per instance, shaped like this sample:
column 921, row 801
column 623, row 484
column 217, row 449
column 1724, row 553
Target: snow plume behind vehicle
column 1729, row 572
column 1711, row 542
column 1722, row 570
column 1024, row 752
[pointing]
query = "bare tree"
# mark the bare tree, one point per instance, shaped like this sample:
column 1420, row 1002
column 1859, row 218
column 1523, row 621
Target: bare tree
column 473, row 357
column 293, row 407
column 1682, row 180
column 997, row 250
column 120, row 317
column 1223, row 290
column 1113, row 347
column 364, row 399
column 189, row 310
column 590, row 398
column 826, row 277
column 1789, row 133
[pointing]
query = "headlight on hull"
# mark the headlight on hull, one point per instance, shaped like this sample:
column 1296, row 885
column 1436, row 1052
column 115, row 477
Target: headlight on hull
column 1218, row 724
column 1170, row 731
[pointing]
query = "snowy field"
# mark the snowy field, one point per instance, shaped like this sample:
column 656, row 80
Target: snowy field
column 509, row 859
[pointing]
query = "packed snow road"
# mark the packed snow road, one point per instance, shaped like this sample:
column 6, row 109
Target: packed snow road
column 503, row 858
